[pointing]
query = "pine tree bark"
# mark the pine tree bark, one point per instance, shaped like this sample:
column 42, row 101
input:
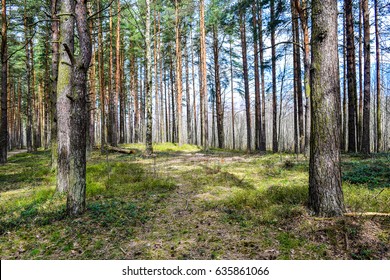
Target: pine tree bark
column 101, row 82
column 64, row 90
column 232, row 91
column 118, row 78
column 78, row 120
column 148, row 85
column 367, row 78
column 188, row 98
column 218, row 97
column 378, row 83
column 3, row 57
column 325, row 193
column 203, row 78
column 29, row 108
column 263, row 142
column 257, row 79
column 274, row 98
column 351, row 77
column 179, row 85
column 246, row 81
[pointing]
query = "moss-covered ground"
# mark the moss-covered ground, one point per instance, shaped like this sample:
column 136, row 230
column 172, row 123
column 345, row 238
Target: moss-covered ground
column 187, row 204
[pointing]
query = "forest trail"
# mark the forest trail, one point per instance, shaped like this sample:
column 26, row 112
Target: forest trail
column 15, row 152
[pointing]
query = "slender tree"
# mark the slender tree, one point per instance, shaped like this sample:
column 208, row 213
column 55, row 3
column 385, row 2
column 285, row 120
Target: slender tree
column 378, row 83
column 3, row 57
column 203, row 77
column 367, row 77
column 148, row 85
column 351, row 77
column 325, row 193
column 273, row 62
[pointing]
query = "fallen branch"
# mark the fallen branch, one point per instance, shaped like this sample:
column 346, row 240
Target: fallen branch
column 119, row 150
column 366, row 214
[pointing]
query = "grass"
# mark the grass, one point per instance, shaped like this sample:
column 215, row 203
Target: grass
column 186, row 204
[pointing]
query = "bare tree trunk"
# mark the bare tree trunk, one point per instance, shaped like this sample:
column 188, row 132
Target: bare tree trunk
column 218, row 98
column 203, row 78
column 188, row 98
column 274, row 99
column 101, row 82
column 64, row 90
column 263, row 142
column 367, row 77
column 325, row 193
column 148, row 85
column 78, row 141
column 3, row 57
column 343, row 144
column 179, row 86
column 360, row 120
column 351, row 76
column 29, row 113
column 378, row 84
column 91, row 97
column 257, row 80
column 246, row 81
column 195, row 134
column 118, row 79
column 232, row 90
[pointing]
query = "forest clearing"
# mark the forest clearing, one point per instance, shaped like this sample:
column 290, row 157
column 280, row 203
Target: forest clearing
column 187, row 204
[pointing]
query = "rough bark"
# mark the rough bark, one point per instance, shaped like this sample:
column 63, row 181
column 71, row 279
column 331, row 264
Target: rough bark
column 378, row 84
column 263, row 143
column 118, row 77
column 218, row 97
column 351, row 77
column 203, row 78
column 101, row 83
column 274, row 98
column 325, row 193
column 257, row 79
column 3, row 57
column 148, row 85
column 179, row 85
column 367, row 77
column 64, row 90
column 78, row 141
column 246, row 81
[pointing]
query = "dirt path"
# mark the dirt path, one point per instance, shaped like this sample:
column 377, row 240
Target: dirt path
column 15, row 152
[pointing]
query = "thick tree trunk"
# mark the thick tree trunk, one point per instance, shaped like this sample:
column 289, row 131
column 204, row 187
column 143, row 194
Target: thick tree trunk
column 218, row 97
column 203, row 79
column 148, row 85
column 367, row 82
column 246, row 81
column 3, row 57
column 378, row 84
column 64, row 90
column 78, row 141
column 351, row 76
column 274, row 98
column 325, row 193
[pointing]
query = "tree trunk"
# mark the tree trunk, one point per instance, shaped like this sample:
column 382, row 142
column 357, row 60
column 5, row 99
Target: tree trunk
column 343, row 144
column 92, row 93
column 360, row 120
column 367, row 77
column 195, row 134
column 218, row 98
column 232, row 90
column 274, row 99
column 29, row 113
column 77, row 176
column 378, row 84
column 3, row 57
column 118, row 78
column 179, row 86
column 263, row 143
column 257, row 79
column 325, row 193
column 203, row 78
column 148, row 85
column 64, row 90
column 351, row 76
column 188, row 98
column 246, row 81
column 101, row 82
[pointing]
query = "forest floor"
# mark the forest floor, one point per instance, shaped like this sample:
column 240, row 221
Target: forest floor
column 187, row 204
